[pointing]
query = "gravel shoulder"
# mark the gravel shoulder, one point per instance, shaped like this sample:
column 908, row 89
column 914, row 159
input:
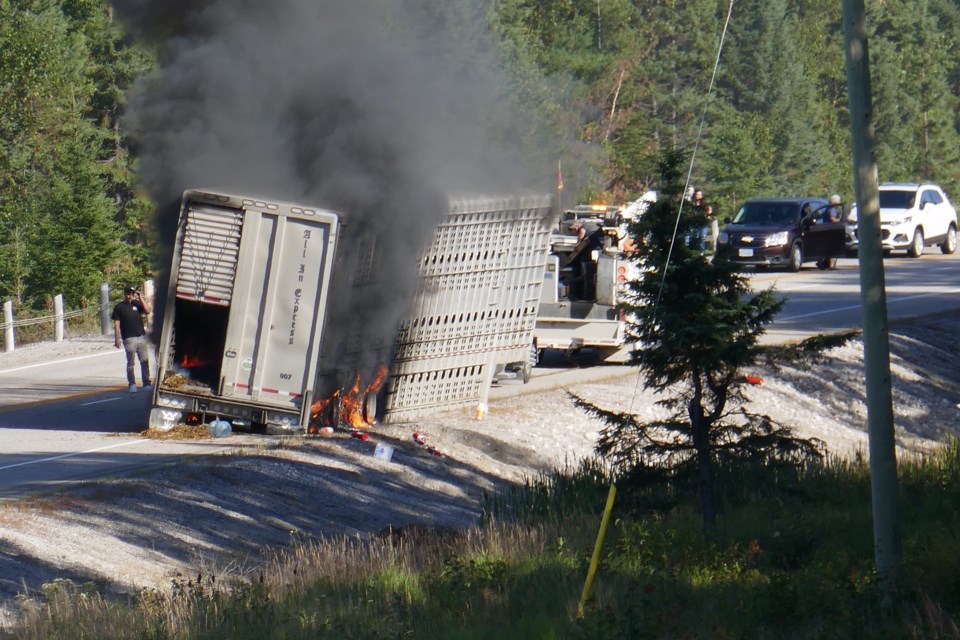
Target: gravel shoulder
column 231, row 511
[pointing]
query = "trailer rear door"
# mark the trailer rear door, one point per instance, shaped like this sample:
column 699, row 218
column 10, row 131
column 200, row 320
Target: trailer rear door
column 277, row 312
column 266, row 267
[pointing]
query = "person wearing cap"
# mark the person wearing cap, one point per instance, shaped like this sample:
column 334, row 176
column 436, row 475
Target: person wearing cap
column 835, row 210
column 128, row 330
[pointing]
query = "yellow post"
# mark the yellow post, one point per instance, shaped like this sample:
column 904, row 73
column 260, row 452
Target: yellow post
column 598, row 547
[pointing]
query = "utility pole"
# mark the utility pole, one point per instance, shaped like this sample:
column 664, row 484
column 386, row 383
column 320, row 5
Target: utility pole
column 876, row 343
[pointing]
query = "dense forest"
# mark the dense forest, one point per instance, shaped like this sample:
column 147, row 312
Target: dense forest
column 607, row 85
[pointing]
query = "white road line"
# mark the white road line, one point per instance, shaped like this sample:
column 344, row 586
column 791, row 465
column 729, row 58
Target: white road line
column 858, row 306
column 87, row 404
column 69, row 455
column 44, row 364
column 820, row 313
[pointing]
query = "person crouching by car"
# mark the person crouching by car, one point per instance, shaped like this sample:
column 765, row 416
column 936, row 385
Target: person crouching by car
column 128, row 327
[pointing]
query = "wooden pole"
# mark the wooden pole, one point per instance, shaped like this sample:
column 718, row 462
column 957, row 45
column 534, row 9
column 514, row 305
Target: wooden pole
column 105, row 309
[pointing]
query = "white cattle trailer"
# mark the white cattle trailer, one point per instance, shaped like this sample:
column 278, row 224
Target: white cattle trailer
column 248, row 300
column 244, row 313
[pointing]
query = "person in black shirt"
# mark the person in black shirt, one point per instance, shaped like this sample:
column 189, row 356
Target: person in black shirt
column 128, row 328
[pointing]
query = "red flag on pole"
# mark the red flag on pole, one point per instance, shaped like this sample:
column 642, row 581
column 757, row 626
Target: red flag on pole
column 559, row 177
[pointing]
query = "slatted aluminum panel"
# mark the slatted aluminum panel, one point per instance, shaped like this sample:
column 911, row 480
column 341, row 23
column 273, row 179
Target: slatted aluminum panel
column 475, row 306
column 208, row 263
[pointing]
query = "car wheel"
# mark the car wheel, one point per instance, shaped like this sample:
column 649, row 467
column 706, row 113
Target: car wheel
column 949, row 244
column 916, row 247
column 796, row 257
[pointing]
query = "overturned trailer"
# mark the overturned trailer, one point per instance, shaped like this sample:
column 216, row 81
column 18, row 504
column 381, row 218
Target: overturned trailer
column 248, row 301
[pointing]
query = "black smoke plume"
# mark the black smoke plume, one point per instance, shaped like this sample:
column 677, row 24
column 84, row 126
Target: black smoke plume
column 376, row 109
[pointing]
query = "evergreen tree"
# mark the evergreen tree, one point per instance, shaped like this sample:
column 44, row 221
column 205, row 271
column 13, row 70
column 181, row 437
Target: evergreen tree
column 913, row 74
column 732, row 162
column 765, row 76
column 43, row 90
column 665, row 90
column 115, row 64
column 820, row 34
column 695, row 327
column 66, row 175
column 77, row 241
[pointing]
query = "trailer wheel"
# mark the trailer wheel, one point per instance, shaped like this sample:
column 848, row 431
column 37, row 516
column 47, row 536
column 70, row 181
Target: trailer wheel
column 526, row 371
column 330, row 415
column 370, row 405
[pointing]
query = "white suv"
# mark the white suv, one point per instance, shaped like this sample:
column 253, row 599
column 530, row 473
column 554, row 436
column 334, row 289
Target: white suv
column 912, row 216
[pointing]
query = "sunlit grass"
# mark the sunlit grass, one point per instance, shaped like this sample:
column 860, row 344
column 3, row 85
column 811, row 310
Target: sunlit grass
column 791, row 557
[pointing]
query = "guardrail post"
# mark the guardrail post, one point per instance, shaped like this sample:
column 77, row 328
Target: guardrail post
column 148, row 294
column 104, row 309
column 59, row 322
column 8, row 326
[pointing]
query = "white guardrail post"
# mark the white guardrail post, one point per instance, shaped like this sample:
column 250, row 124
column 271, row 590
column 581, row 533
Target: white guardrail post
column 104, row 309
column 8, row 326
column 59, row 321
column 149, row 291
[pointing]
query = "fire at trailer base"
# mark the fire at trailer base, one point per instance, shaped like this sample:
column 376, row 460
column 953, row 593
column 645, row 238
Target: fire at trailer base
column 354, row 408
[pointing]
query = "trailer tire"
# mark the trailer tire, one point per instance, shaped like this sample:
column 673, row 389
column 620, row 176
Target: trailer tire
column 370, row 406
column 330, row 415
column 526, row 371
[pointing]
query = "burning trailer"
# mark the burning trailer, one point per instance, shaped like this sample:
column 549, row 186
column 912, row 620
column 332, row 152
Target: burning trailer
column 251, row 295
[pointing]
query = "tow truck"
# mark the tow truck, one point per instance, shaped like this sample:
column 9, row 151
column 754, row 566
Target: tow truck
column 586, row 276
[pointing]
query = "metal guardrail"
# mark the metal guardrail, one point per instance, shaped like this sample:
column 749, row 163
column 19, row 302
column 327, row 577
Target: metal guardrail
column 67, row 315
column 60, row 316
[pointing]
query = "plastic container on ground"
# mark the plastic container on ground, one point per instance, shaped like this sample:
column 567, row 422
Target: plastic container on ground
column 219, row 428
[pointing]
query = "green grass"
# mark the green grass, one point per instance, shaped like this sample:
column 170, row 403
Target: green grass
column 792, row 557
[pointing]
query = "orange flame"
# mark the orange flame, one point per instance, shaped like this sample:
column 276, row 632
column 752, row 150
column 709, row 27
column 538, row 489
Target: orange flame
column 189, row 362
column 351, row 412
column 351, row 403
column 317, row 410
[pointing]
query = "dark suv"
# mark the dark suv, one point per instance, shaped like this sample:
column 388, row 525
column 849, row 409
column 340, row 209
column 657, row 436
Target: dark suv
column 784, row 232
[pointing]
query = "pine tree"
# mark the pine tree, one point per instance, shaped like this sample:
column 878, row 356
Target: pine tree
column 764, row 75
column 914, row 71
column 696, row 325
